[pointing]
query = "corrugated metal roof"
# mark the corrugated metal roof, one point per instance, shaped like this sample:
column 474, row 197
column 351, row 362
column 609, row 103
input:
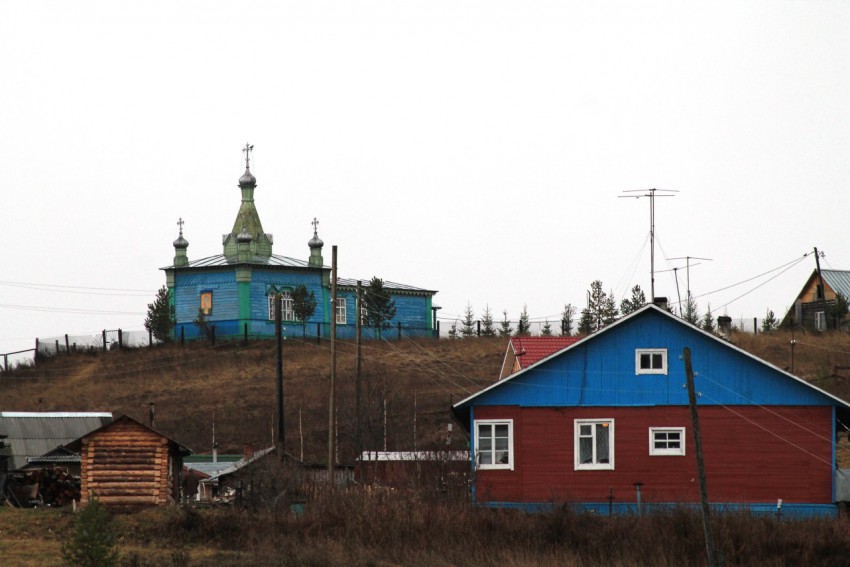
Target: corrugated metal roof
column 838, row 280
column 33, row 434
column 348, row 282
column 220, row 260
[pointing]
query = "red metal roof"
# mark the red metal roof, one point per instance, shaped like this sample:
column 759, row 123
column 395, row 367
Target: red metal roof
column 529, row 350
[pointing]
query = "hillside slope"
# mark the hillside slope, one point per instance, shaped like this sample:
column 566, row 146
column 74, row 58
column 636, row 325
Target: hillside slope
column 412, row 383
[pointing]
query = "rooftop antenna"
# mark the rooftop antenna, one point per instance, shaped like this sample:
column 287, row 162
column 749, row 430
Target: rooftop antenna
column 688, row 264
column 651, row 194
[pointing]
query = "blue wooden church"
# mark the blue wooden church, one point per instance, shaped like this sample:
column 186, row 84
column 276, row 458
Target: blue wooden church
column 235, row 290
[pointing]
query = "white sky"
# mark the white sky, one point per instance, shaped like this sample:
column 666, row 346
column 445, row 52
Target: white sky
column 476, row 148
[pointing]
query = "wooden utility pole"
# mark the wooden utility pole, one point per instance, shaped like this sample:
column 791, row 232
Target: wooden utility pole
column 357, row 431
column 278, row 336
column 332, row 400
column 703, row 491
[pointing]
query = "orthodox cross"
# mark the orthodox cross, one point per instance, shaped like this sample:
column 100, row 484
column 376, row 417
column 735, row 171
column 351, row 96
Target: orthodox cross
column 247, row 149
column 180, row 223
column 315, row 224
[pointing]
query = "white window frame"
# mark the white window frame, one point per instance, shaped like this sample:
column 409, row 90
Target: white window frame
column 656, row 452
column 651, row 352
column 494, row 466
column 340, row 311
column 820, row 320
column 287, row 312
column 594, row 465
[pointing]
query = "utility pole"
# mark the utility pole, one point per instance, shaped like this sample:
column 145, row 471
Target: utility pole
column 703, row 490
column 331, row 408
column 651, row 194
column 278, row 338
column 359, row 334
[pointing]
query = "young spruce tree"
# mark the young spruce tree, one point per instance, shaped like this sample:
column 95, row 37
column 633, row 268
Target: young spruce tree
column 487, row 328
column 524, row 326
column 467, row 328
column 160, row 319
column 505, row 328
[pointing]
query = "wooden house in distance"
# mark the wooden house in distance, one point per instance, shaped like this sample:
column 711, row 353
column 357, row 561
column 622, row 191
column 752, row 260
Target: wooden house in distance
column 605, row 425
column 814, row 306
column 127, row 464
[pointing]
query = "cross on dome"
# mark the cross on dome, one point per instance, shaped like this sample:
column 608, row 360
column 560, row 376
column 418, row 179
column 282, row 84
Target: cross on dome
column 247, row 149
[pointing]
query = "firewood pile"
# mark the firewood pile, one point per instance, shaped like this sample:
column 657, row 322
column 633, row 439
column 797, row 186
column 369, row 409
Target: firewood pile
column 50, row 486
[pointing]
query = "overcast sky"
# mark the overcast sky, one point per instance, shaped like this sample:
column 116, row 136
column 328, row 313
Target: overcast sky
column 474, row 148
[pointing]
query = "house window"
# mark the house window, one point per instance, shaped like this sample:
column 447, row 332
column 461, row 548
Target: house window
column 286, row 306
column 651, row 361
column 666, row 440
column 495, row 448
column 594, row 444
column 820, row 321
column 206, row 302
column 340, row 311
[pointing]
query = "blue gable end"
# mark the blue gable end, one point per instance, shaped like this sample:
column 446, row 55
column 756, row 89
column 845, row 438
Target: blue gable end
column 600, row 370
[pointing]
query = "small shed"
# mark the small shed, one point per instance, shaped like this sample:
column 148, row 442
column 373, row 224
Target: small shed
column 128, row 464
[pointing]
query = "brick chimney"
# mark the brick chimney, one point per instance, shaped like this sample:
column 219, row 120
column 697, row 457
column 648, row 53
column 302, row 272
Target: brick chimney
column 724, row 324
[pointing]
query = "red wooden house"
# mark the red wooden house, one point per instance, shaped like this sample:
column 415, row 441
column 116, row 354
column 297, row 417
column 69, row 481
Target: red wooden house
column 604, row 424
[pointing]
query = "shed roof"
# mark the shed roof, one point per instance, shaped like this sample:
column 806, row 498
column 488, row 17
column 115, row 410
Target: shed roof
column 76, row 444
column 32, row 434
column 838, row 280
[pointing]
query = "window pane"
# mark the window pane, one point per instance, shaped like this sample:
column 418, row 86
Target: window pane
column 501, row 444
column 645, row 362
column 585, row 454
column 602, row 443
column 657, row 363
column 585, row 430
column 502, row 430
column 485, row 458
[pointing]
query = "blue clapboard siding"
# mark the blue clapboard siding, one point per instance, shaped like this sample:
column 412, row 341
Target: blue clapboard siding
column 187, row 295
column 601, row 372
column 262, row 280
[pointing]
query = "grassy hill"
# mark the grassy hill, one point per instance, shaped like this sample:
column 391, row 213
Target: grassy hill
column 412, row 383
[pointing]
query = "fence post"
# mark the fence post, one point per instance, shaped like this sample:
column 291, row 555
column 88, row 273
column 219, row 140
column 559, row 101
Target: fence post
column 35, row 354
column 57, row 346
column 399, row 330
column 212, row 336
column 150, row 337
column 104, row 339
column 245, row 339
column 318, row 333
column 182, row 335
column 67, row 346
column 120, row 339
column 478, row 324
column 5, row 363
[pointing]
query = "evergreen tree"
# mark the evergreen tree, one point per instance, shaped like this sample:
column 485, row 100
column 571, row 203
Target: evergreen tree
column 609, row 310
column 769, row 323
column 453, row 334
column 160, row 319
column 524, row 326
column 204, row 328
column 708, row 320
column 567, row 320
column 635, row 302
column 691, row 314
column 380, row 306
column 602, row 308
column 93, row 541
column 585, row 323
column 838, row 311
column 468, row 324
column 487, row 328
column 505, row 328
column 547, row 329
column 303, row 305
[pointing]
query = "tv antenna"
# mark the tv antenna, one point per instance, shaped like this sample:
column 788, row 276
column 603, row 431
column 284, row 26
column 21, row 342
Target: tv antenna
column 651, row 193
column 688, row 265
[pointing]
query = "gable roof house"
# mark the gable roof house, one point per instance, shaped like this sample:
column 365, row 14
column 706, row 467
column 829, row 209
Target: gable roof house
column 127, row 464
column 813, row 307
column 605, row 423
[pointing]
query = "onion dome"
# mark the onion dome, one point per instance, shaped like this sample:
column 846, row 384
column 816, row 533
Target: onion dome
column 247, row 179
column 244, row 236
column 315, row 242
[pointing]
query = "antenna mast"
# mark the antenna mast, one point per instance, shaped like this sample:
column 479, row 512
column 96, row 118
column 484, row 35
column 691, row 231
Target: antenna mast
column 687, row 260
column 651, row 194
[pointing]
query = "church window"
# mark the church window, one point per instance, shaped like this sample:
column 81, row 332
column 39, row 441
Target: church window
column 206, row 302
column 340, row 311
column 286, row 306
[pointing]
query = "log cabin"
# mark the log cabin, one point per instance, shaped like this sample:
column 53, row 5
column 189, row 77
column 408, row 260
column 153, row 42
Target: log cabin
column 128, row 464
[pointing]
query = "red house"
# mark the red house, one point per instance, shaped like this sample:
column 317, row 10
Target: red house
column 604, row 424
